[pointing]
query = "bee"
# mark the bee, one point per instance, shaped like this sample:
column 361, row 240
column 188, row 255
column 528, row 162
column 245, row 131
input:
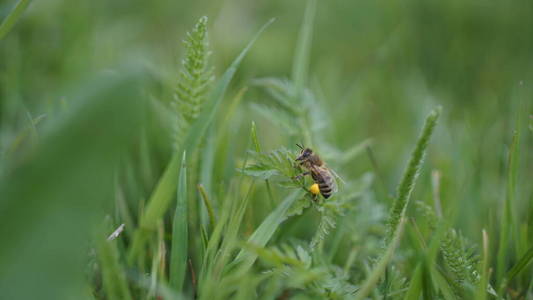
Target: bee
column 321, row 174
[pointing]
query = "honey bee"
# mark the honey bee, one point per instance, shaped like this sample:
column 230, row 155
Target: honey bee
column 321, row 174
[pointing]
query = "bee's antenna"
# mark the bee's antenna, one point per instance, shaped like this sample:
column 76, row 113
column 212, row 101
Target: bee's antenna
column 299, row 146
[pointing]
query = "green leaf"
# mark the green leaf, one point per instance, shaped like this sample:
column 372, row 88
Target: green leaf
column 13, row 17
column 303, row 49
column 443, row 284
column 415, row 286
column 178, row 254
column 482, row 286
column 275, row 163
column 327, row 223
column 208, row 205
column 113, row 276
column 507, row 217
column 524, row 261
column 266, row 230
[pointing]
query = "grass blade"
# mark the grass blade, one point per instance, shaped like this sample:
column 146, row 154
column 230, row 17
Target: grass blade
column 209, row 207
column 113, row 277
column 410, row 175
column 264, row 232
column 178, row 255
column 257, row 147
column 207, row 164
column 518, row 268
column 162, row 195
column 507, row 219
column 379, row 269
column 303, row 48
column 442, row 284
column 481, row 293
column 13, row 17
column 415, row 285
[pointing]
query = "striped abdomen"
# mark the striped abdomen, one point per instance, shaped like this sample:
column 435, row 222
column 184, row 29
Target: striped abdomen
column 325, row 181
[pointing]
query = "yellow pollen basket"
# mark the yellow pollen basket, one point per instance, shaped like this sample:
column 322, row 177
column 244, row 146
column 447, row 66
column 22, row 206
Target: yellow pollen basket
column 314, row 189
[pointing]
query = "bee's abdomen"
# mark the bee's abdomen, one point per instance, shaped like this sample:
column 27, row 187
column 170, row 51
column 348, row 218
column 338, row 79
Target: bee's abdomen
column 325, row 190
column 326, row 185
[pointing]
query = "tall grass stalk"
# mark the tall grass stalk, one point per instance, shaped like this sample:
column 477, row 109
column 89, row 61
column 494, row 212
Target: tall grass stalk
column 410, row 174
column 13, row 17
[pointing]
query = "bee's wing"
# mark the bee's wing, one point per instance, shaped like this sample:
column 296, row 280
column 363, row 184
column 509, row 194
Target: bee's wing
column 337, row 176
column 333, row 176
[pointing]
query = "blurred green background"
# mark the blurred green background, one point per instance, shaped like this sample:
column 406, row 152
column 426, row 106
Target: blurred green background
column 83, row 86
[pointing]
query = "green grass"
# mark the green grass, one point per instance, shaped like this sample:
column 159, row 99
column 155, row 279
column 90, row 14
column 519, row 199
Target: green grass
column 107, row 119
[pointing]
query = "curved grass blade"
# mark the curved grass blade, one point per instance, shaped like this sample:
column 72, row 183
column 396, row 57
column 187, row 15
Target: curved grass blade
column 178, row 255
column 13, row 17
column 164, row 191
column 415, row 286
column 266, row 230
column 518, row 268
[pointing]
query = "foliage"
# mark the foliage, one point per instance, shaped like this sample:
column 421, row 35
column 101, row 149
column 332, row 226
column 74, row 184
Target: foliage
column 182, row 199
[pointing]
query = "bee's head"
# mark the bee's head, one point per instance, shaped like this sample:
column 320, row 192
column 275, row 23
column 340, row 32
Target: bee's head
column 305, row 153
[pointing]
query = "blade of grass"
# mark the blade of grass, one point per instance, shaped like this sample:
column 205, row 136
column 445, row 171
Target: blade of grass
column 206, row 174
column 303, row 49
column 507, row 219
column 443, row 285
column 178, row 254
column 481, row 293
column 213, row 244
column 415, row 285
column 410, row 174
column 218, row 254
column 301, row 66
column 518, row 268
column 156, row 263
column 257, row 146
column 113, row 277
column 163, row 193
column 378, row 271
column 208, row 205
column 13, row 17
column 266, row 230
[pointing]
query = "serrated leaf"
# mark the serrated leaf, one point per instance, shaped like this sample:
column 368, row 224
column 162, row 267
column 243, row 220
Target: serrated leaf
column 298, row 207
column 258, row 171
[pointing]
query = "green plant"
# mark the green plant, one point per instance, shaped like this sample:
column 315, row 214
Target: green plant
column 126, row 175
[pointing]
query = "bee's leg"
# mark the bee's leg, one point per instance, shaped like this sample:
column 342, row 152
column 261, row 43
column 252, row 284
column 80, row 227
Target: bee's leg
column 299, row 176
